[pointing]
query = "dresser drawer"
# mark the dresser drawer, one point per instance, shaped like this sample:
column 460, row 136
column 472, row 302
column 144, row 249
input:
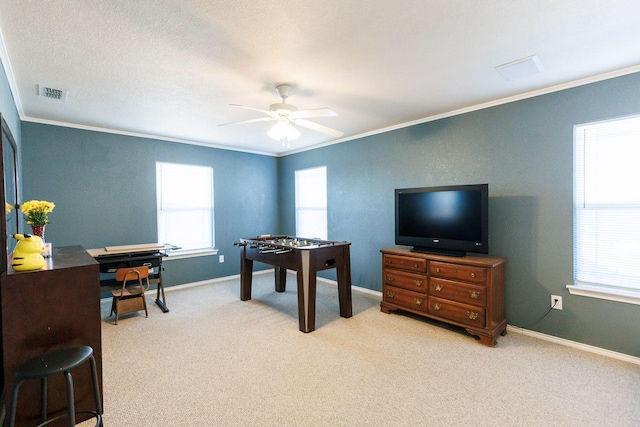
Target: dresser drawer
column 464, row 291
column 463, row 313
column 460, row 272
column 405, row 263
column 403, row 279
column 456, row 291
column 405, row 298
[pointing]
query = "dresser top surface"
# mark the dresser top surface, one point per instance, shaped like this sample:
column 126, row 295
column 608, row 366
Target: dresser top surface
column 62, row 257
column 471, row 259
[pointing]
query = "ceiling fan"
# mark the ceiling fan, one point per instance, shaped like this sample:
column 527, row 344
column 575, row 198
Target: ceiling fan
column 286, row 115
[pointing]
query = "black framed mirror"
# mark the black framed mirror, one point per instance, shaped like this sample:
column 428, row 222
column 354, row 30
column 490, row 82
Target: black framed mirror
column 9, row 218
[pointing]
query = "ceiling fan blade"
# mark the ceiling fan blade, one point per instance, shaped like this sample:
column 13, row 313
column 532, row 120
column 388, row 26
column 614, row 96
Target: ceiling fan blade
column 267, row 112
column 315, row 112
column 260, row 119
column 319, row 128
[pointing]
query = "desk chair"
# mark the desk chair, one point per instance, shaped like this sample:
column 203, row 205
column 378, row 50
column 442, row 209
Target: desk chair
column 130, row 297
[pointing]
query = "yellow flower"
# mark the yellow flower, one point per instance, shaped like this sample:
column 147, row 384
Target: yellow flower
column 35, row 211
column 8, row 208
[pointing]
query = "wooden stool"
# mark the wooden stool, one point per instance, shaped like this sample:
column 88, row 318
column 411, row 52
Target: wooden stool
column 56, row 362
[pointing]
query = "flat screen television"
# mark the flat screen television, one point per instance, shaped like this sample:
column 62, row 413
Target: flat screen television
column 449, row 220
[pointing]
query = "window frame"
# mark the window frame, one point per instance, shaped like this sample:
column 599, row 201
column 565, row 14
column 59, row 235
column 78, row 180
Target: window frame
column 608, row 291
column 182, row 253
column 321, row 208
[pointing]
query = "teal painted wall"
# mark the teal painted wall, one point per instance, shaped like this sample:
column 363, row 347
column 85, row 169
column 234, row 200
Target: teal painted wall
column 524, row 150
column 104, row 189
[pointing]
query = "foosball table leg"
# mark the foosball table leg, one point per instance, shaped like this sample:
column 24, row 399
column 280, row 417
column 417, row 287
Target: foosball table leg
column 281, row 279
column 246, row 274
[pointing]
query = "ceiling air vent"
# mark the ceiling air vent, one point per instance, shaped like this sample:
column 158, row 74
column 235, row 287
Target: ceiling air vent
column 520, row 68
column 51, row 93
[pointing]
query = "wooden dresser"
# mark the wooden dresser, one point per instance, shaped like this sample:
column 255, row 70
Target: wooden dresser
column 47, row 309
column 463, row 291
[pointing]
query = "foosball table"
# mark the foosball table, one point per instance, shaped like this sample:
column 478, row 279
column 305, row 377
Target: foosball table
column 306, row 257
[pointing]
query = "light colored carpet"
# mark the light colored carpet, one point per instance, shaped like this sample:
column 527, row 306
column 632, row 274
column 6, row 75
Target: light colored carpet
column 214, row 360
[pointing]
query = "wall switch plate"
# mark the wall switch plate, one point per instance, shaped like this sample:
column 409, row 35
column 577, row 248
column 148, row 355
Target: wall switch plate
column 221, row 259
column 556, row 305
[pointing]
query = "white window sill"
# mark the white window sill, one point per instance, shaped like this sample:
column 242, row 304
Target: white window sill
column 602, row 292
column 171, row 255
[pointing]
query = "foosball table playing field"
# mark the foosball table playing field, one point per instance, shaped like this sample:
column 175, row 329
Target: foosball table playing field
column 306, row 257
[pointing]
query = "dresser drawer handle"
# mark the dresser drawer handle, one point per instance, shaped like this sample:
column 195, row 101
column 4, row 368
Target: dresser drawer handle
column 418, row 301
column 437, row 269
column 418, row 282
column 415, row 265
column 472, row 315
column 438, row 287
column 437, row 307
column 473, row 274
column 474, row 294
column 390, row 294
column 390, row 278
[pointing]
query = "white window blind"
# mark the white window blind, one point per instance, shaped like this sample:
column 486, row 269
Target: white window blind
column 607, row 204
column 185, row 205
column 311, row 202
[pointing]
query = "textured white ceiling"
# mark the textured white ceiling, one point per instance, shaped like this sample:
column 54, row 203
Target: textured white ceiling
column 169, row 69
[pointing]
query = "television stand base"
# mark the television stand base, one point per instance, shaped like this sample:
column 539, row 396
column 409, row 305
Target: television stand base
column 467, row 292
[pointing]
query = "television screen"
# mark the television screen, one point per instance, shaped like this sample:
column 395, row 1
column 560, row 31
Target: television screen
column 451, row 219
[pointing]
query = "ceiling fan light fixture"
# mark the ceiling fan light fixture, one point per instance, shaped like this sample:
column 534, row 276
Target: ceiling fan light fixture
column 283, row 131
column 285, row 115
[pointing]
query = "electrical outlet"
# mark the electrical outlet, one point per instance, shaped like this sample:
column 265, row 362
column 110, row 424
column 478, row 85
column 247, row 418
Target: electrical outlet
column 221, row 259
column 556, row 302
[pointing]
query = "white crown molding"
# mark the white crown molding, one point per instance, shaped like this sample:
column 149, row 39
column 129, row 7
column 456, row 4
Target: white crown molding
column 141, row 135
column 494, row 103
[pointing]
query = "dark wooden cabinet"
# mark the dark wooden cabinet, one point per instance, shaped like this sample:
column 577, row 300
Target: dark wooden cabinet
column 47, row 309
column 463, row 291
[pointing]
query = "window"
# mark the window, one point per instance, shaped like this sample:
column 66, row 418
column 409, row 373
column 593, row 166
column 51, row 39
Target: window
column 607, row 209
column 185, row 205
column 311, row 203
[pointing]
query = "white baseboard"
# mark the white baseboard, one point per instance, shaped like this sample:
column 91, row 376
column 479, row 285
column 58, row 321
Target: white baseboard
column 513, row 329
column 575, row 344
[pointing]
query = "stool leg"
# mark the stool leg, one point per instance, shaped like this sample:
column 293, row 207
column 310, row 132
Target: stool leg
column 71, row 410
column 43, row 405
column 96, row 385
column 14, row 404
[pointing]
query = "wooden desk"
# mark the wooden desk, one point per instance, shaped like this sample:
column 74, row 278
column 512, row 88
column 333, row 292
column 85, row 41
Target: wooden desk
column 306, row 257
column 47, row 309
column 113, row 257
